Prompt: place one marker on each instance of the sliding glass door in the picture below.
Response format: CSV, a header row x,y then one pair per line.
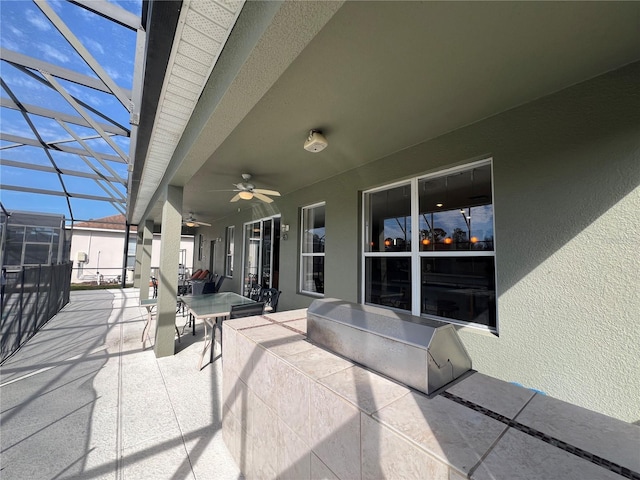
x,y
261,253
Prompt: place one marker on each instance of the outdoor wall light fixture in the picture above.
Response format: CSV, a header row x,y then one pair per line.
x,y
284,228
245,195
315,142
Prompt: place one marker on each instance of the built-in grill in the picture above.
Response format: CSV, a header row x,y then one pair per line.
x,y
421,353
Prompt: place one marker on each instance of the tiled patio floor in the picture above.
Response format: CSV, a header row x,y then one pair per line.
x,y
82,400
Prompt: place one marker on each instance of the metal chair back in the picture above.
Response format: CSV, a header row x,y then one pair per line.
x,y
246,310
270,297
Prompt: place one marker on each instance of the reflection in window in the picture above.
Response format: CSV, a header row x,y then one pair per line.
x,y
313,238
461,288
388,281
390,220
452,250
456,212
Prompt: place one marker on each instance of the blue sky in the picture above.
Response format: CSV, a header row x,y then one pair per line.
x,y
25,29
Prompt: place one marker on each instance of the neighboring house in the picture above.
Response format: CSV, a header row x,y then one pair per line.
x,y
97,251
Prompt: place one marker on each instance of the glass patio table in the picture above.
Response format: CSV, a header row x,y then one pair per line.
x,y
150,304
212,308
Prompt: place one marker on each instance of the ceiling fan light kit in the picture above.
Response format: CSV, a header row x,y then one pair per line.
x,y
315,142
247,191
191,222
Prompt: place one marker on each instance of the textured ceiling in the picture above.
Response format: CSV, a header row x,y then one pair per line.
x,y
378,77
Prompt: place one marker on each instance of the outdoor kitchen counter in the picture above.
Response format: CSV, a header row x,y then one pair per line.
x,y
294,410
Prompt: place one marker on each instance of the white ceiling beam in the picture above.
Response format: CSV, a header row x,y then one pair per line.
x,y
32,142
78,108
84,53
111,11
42,191
91,152
63,171
25,61
45,112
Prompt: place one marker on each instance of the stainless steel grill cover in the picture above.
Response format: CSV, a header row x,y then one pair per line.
x,y
421,353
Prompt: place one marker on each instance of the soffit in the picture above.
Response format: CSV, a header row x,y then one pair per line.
x,y
202,30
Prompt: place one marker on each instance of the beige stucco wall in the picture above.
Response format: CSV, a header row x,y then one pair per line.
x,y
110,245
566,199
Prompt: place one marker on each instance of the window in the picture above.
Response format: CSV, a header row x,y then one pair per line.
x,y
429,246
131,251
229,248
312,250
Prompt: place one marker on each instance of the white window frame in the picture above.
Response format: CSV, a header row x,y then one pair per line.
x,y
305,255
415,254
229,249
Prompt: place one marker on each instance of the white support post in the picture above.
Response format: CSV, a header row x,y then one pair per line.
x,y
168,275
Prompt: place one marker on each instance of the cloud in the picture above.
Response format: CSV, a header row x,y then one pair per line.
x,y
16,31
22,81
19,131
10,45
37,21
93,45
113,73
53,53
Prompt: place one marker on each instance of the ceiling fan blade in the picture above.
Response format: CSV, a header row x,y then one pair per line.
x,y
262,197
266,192
204,224
235,198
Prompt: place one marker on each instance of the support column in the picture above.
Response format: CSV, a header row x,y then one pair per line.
x,y
168,275
145,258
136,267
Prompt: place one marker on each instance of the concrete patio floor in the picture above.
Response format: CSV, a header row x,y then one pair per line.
x,y
81,399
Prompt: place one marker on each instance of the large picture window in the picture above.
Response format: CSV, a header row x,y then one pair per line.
x,y
312,249
429,246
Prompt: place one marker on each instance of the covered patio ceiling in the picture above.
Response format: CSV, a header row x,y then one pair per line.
x,y
375,77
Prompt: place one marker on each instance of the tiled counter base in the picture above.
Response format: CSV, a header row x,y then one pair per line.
x,y
295,411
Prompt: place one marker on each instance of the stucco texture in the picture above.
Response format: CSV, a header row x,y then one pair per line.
x,y
566,201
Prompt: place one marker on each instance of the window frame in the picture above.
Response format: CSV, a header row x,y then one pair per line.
x,y
306,255
229,249
415,255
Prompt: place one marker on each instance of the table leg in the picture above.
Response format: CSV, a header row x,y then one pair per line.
x,y
208,341
147,325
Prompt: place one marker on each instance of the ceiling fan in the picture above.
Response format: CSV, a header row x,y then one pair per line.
x,y
191,221
246,191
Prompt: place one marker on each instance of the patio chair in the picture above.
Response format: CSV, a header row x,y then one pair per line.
x,y
154,284
209,287
219,284
246,310
254,291
270,297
